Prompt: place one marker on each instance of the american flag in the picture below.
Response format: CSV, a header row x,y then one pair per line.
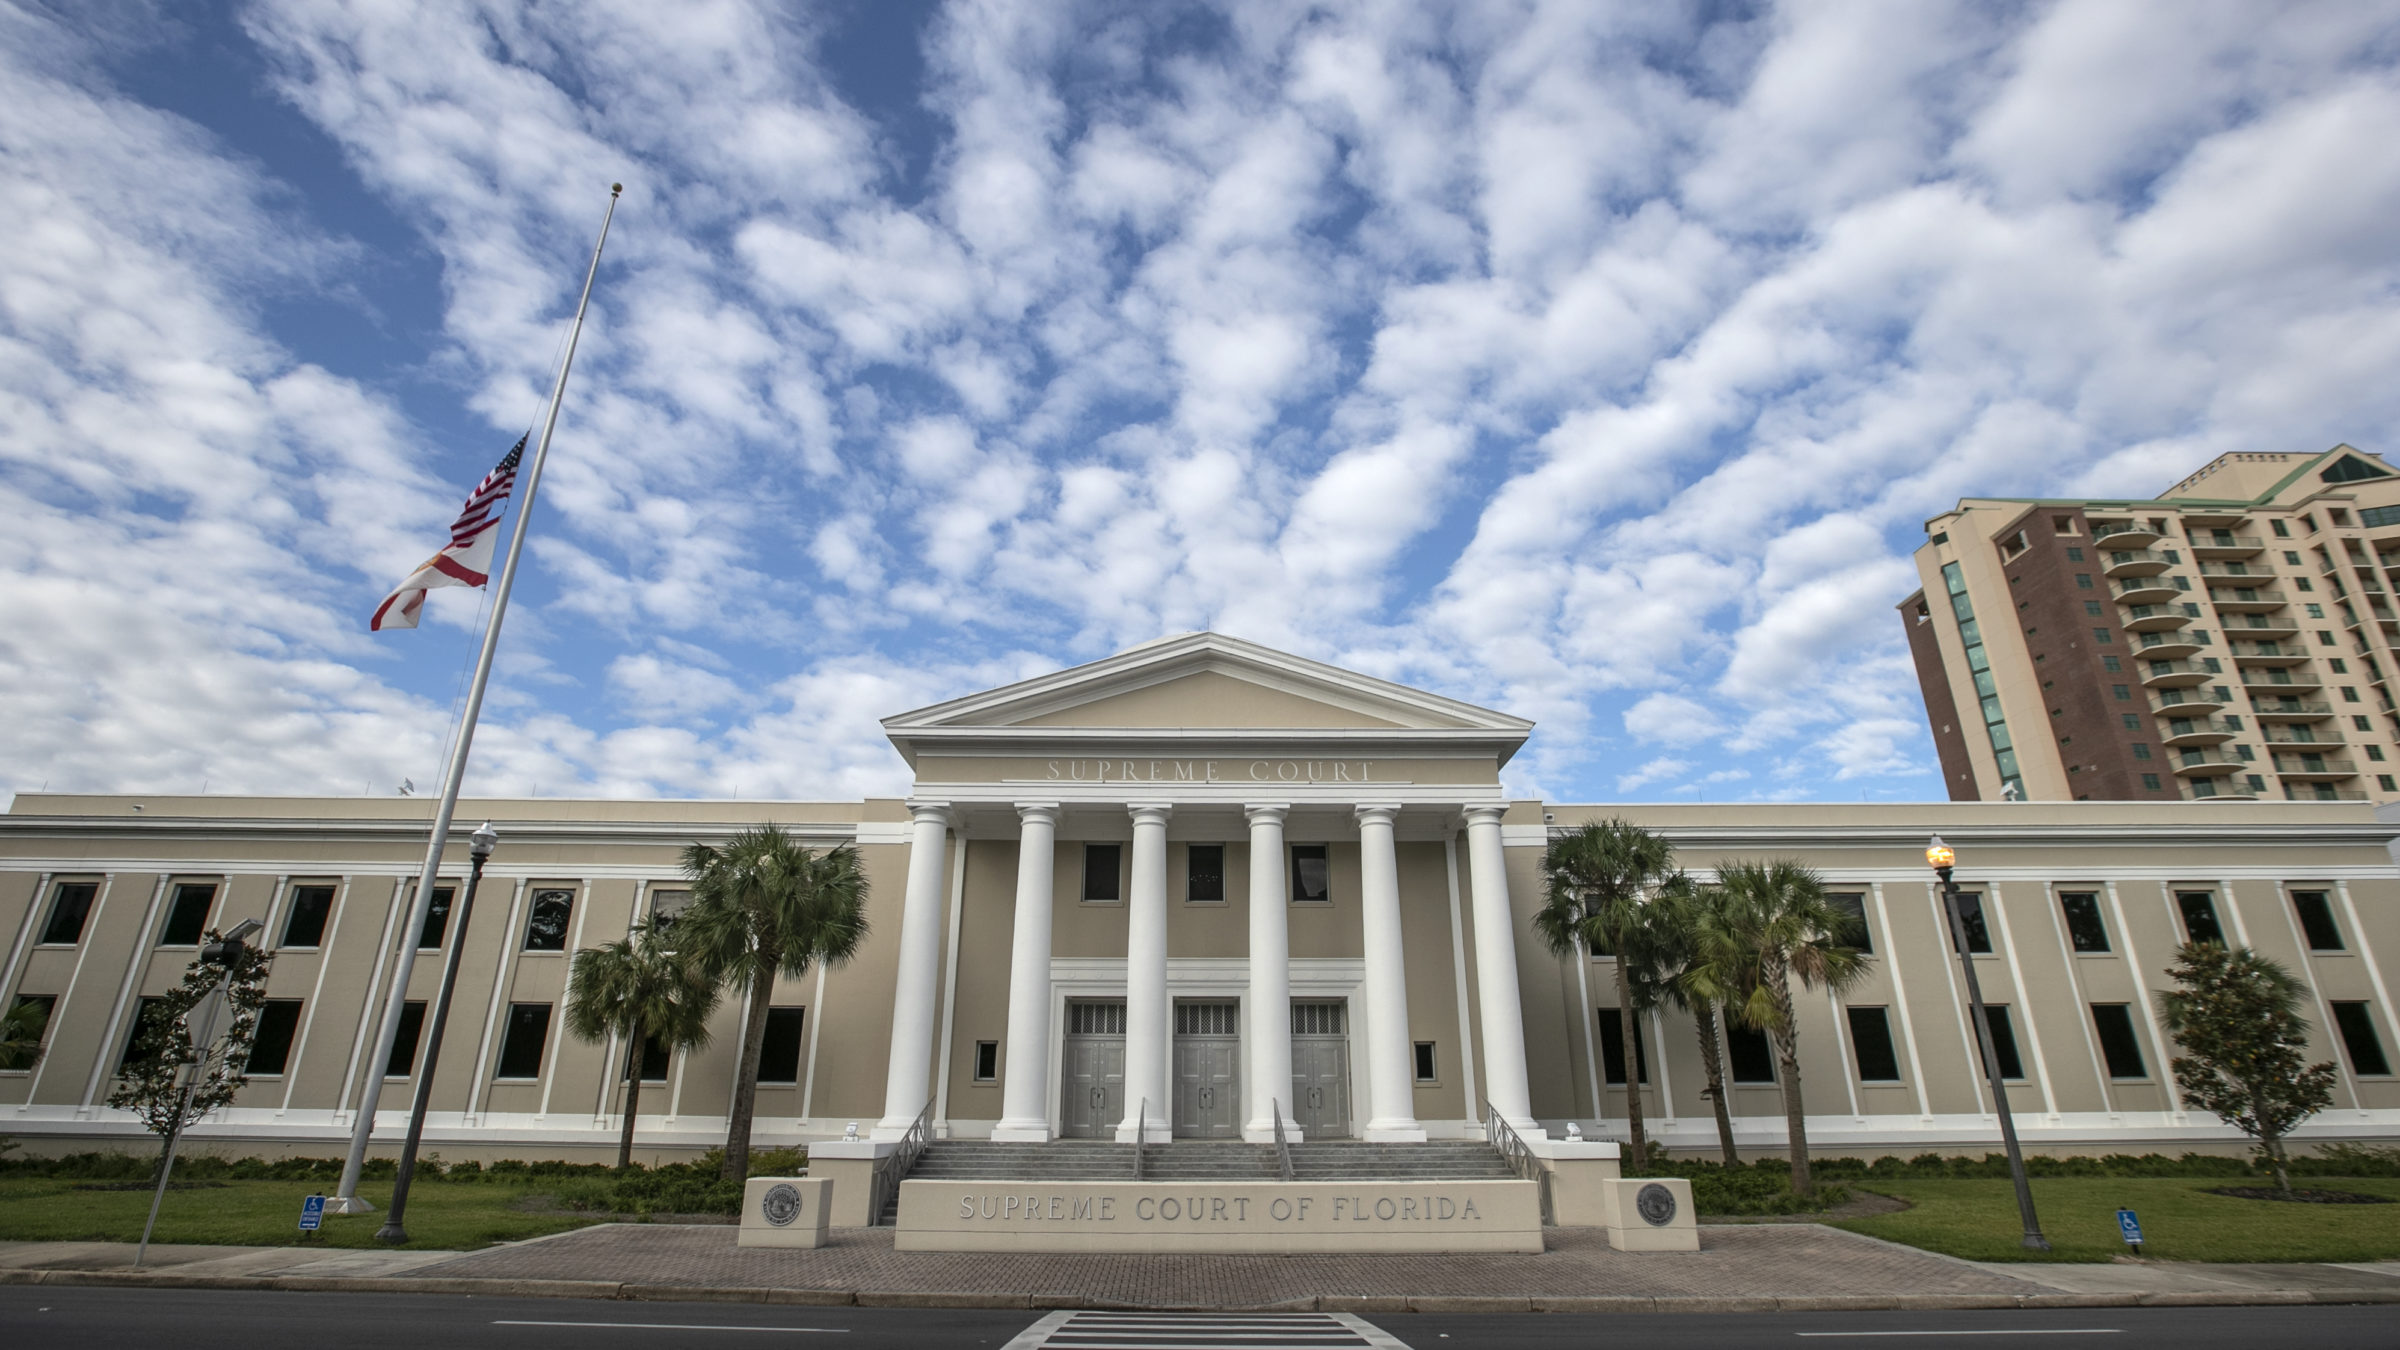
x,y
467,559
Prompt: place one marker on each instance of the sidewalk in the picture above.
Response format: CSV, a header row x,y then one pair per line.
x,y
1739,1268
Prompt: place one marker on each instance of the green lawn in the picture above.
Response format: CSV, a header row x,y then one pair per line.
x,y
267,1214
2182,1222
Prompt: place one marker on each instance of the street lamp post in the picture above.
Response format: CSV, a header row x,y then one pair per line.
x,y
1943,858
479,848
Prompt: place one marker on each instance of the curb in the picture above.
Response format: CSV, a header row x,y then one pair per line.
x,y
1349,1303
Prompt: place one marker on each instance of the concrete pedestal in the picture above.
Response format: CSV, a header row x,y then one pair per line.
x,y
849,1164
1652,1214
784,1212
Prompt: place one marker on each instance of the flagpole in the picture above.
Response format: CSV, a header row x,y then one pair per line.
x,y
346,1199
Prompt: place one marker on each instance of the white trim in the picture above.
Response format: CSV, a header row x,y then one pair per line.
x,y
583,911
816,1023
2316,991
1589,1023
941,1073
1945,936
1666,1084
1908,1034
136,966
2141,988
348,1103
316,990
479,1088
2024,1002
23,944
2083,1003
2233,907
1841,1045
1458,964
83,950
2358,933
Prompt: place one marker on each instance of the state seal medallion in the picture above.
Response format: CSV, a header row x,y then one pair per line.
x,y
781,1204
1656,1205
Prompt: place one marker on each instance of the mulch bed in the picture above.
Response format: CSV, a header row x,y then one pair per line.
x,y
2301,1195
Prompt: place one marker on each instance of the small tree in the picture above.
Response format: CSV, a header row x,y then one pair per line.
x,y
1681,913
1595,880
638,988
164,1061
2237,1017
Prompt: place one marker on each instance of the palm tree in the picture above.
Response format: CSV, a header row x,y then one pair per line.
x,y
1681,914
21,1034
1595,879
636,988
1775,926
762,906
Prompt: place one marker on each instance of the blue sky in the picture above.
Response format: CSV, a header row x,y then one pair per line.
x,y
1598,362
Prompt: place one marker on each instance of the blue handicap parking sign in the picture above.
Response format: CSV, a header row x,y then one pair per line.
x,y
312,1214
2130,1226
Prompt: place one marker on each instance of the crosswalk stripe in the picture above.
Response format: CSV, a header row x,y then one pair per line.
x,y
1072,1330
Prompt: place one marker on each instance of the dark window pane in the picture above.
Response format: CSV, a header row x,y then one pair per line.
x,y
2004,1041
528,1032
546,928
2118,1045
1871,1041
1205,872
70,905
437,918
1970,913
987,1061
187,914
1852,906
143,1039
2316,920
304,926
1100,864
2356,1022
404,1046
2084,926
1750,1055
665,905
271,1048
2199,917
657,1058
38,1027
1612,1048
779,1053
1425,1064
1312,874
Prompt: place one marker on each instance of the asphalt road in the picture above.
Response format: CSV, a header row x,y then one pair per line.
x,y
230,1320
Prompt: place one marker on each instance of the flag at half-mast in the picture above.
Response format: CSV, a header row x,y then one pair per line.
x,y
467,559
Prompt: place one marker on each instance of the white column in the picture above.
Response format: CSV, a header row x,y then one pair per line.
x,y
908,1082
1025,1092
1270,980
1391,1071
1496,972
1148,1099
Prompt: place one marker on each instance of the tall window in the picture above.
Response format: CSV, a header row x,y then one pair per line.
x,y
2356,1022
1749,1055
2118,1045
403,1062
148,1017
1204,873
1852,906
987,1061
1979,667
546,926
1871,1042
437,918
2004,1041
2316,920
2084,926
666,905
70,905
1100,881
521,1048
304,924
2199,910
271,1047
779,1049
1970,915
1612,1048
1428,1069
187,914
45,1005
1312,874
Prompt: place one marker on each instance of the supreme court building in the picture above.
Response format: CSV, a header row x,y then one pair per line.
x,y
1177,893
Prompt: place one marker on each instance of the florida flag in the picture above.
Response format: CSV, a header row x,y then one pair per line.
x,y
466,560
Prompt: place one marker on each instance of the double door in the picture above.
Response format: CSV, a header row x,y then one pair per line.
x,y
1092,1098
1321,1069
1208,1066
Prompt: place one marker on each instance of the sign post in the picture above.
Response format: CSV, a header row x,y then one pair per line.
x,y
2131,1226
312,1213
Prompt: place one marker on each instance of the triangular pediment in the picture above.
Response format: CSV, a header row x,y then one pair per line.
x,y
1205,682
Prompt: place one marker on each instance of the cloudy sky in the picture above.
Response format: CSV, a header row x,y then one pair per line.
x,y
1599,362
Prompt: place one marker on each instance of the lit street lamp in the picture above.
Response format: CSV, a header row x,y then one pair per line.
x,y
1943,858
479,847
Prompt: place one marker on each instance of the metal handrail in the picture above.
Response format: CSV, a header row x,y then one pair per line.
x,y
1517,1154
1141,1126
1283,1148
893,1167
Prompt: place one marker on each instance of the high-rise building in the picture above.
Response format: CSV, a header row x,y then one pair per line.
x,y
2235,637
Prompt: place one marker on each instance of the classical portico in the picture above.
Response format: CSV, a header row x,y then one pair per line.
x,y
1213,918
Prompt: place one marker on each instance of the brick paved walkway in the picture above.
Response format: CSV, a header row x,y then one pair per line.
x,y
1734,1262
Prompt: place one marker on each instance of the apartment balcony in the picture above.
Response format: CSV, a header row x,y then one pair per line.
x,y
2197,701
2219,518
2140,562
2172,674
2275,680
2217,790
2240,571
2221,544
2183,732
2246,599
2119,535
2304,738
2156,618
2165,646
2262,628
2293,710
2153,590
2321,792
2310,767
2205,763
2268,653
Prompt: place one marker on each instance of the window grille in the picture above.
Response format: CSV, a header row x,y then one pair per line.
x,y
1317,1019
1095,1017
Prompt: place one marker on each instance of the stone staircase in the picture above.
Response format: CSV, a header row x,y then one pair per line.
x,y
1203,1160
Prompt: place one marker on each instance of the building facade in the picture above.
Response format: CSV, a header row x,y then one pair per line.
x,y
1182,892
2231,639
